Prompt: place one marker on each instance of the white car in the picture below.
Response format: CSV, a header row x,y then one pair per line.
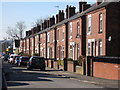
x,y
11,58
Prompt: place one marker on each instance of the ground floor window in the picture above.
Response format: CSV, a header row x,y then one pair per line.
x,y
100,48
62,52
78,51
88,49
71,51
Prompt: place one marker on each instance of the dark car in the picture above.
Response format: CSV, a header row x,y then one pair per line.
x,y
23,60
36,62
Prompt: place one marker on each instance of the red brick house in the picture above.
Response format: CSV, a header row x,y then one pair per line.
x,y
102,29
43,45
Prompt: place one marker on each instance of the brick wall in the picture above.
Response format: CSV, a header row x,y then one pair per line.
x,y
106,70
104,67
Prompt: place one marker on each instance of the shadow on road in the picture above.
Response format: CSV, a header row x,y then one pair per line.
x,y
16,84
17,75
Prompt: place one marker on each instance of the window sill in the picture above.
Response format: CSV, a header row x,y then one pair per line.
x,y
78,36
100,32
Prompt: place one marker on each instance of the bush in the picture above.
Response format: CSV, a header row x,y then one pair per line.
x,y
60,62
80,60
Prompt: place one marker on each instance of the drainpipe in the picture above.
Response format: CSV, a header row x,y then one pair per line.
x,y
55,43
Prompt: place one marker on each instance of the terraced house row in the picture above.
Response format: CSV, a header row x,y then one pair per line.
x,y
92,31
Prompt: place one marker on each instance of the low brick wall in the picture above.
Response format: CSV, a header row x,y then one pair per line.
x,y
46,63
61,67
104,67
71,66
79,70
106,70
55,64
49,63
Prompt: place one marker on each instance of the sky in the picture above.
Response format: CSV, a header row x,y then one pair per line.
x,y
12,11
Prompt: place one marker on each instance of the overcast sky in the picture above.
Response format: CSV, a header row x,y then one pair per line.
x,y
28,11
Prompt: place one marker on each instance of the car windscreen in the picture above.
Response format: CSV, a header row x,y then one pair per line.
x,y
38,59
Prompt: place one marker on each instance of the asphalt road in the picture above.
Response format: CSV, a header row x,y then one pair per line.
x,y
20,77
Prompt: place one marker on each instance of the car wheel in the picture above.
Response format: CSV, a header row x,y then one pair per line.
x,y
42,69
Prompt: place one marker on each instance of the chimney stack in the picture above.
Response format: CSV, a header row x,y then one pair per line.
x,y
60,15
99,1
30,32
70,11
85,7
45,24
38,28
80,6
27,33
56,18
48,25
52,21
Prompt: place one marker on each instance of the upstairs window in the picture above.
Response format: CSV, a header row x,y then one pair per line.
x,y
89,24
100,22
100,48
70,30
62,52
48,37
71,51
53,36
63,33
78,29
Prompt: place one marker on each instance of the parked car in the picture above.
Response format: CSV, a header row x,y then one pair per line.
x,y
13,60
16,60
5,57
23,60
10,60
36,62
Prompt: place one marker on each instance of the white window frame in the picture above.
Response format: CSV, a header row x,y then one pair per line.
x,y
70,30
53,36
78,28
100,22
62,52
48,37
89,24
63,34
100,48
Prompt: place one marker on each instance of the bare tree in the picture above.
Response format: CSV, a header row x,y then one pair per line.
x,y
20,28
39,21
17,32
12,33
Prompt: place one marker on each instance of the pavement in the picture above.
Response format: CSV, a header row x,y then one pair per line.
x,y
106,83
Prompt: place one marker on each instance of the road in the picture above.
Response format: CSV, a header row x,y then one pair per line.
x,y
20,77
